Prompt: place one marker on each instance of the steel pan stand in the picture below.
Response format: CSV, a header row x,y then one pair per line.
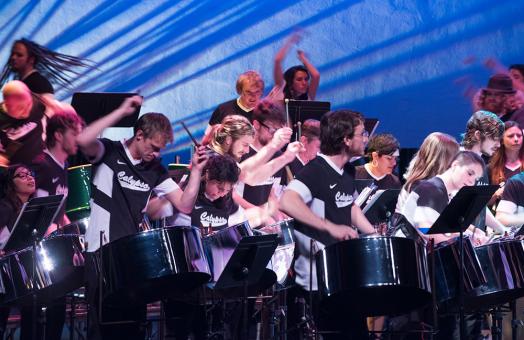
x,y
457,216
34,298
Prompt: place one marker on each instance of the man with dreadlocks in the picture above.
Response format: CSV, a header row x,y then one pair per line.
x,y
38,67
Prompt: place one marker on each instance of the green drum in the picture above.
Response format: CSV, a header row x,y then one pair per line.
x,y
79,193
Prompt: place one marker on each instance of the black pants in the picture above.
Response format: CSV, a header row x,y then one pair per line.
x,y
54,320
120,319
332,323
184,319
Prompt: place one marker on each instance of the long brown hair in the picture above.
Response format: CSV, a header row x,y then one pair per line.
x,y
233,126
8,190
499,158
433,158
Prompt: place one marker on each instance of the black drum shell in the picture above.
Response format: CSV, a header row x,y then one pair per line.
x,y
447,268
503,265
150,265
59,270
374,275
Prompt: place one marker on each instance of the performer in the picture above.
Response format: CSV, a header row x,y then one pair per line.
x,y
37,67
510,210
249,87
310,140
17,187
124,176
508,160
382,151
298,82
321,202
497,97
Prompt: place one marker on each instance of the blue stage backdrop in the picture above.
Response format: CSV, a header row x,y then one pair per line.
x,y
408,63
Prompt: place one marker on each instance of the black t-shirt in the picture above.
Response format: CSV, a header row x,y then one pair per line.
x,y
51,179
513,193
37,83
227,109
425,202
387,182
121,191
327,192
212,213
259,194
8,214
22,139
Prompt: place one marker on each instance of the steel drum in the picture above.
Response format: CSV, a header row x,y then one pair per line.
x,y
150,265
79,183
503,265
59,269
282,260
447,269
220,245
374,275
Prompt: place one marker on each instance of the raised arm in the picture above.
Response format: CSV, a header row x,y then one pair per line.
x,y
87,139
278,75
313,73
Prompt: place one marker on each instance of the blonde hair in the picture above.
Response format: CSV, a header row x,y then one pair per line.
x,y
249,77
433,158
234,126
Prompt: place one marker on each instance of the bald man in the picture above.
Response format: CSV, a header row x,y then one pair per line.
x,y
22,121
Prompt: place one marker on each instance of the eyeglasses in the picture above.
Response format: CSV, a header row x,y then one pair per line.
x,y
252,94
271,130
364,134
24,175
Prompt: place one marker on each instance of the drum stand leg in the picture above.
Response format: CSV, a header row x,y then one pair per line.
x,y
34,302
496,327
462,325
433,290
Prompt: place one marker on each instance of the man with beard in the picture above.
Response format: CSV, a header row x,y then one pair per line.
x,y
497,96
321,202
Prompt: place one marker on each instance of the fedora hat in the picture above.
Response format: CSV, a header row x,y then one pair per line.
x,y
500,83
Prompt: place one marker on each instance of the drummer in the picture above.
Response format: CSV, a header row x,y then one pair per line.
x,y
17,187
324,209
125,174
510,210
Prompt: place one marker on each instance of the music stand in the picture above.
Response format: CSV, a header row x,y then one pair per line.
x,y
457,216
381,206
94,105
31,224
246,266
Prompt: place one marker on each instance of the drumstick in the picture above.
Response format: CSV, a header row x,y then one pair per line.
x,y
299,131
197,144
288,121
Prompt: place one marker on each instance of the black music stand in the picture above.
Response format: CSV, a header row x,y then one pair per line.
x,y
381,206
94,105
246,266
456,217
302,110
31,224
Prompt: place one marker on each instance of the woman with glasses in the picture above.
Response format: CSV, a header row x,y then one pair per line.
x,y
382,152
17,187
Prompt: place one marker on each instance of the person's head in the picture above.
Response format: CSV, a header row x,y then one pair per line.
x,y
483,132
57,67
466,168
432,158
18,181
152,132
17,99
62,129
297,82
516,72
310,139
233,136
493,98
220,175
250,87
511,142
383,151
268,117
22,57
342,132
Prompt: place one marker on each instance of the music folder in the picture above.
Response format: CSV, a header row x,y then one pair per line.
x,y
37,214
381,206
248,262
94,105
463,209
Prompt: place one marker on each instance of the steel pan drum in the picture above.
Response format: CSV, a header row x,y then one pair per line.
x,y
283,258
447,269
59,270
503,265
220,245
149,265
79,183
374,275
